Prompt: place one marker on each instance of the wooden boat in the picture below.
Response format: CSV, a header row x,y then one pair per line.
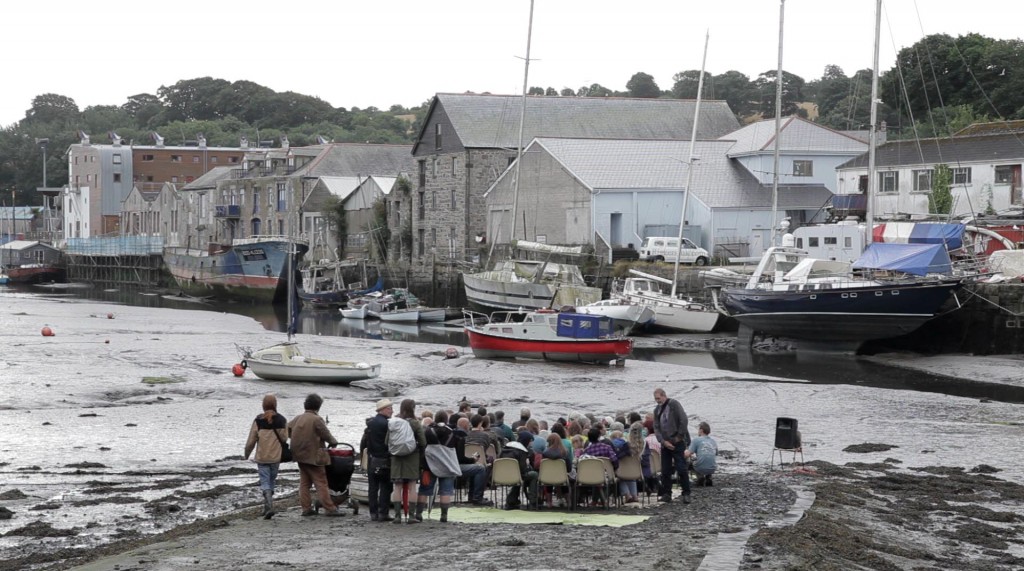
x,y
547,335
285,362
408,315
432,314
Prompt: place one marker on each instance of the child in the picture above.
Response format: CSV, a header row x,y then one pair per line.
x,y
702,451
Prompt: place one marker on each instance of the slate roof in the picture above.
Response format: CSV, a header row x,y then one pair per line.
x,y
951,151
209,179
796,135
355,159
718,181
24,245
492,121
20,213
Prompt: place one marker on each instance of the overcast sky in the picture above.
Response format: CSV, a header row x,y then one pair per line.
x,y
381,52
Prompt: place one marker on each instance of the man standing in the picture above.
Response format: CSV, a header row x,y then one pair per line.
x,y
308,433
670,427
378,471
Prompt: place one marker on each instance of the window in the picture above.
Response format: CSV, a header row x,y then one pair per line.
x,y
88,178
174,179
189,178
421,246
147,158
453,199
433,168
862,182
233,160
280,227
175,158
803,168
1004,174
511,160
213,160
255,226
888,181
923,180
433,238
281,206
438,132
847,242
422,206
255,202
812,241
117,158
831,241
117,177
149,178
962,175
433,200
195,159
455,165
423,174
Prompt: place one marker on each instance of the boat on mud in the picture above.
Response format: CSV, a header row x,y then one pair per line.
x,y
547,335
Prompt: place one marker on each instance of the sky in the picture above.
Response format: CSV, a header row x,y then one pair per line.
x,y
377,53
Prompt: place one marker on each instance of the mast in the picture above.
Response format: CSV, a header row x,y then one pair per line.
x,y
778,128
869,215
689,165
292,324
522,120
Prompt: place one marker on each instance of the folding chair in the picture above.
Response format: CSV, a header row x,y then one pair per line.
x,y
630,471
504,473
553,473
476,449
591,472
609,474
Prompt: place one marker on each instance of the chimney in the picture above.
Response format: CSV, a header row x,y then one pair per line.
x,y
243,142
157,139
284,141
115,139
83,137
202,140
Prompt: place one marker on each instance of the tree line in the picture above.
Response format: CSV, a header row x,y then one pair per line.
x,y
937,86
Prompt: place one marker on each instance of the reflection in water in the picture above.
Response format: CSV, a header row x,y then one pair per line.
x,y
813,367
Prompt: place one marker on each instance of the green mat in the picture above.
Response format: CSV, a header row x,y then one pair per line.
x,y
492,515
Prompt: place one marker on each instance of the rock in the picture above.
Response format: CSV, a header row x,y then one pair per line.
x,y
6,513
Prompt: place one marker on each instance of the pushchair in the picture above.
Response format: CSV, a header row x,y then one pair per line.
x,y
339,475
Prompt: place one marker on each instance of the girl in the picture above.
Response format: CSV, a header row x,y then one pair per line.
x,y
267,433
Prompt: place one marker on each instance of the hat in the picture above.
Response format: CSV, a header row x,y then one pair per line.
x,y
524,437
517,446
383,403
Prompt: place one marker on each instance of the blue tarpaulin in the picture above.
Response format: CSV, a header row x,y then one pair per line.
x,y
918,259
951,235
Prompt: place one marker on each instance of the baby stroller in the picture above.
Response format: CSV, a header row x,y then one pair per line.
x,y
339,475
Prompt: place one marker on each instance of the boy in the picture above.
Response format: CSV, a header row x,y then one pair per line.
x,y
702,451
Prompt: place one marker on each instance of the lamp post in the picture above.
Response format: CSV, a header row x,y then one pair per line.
x,y
42,143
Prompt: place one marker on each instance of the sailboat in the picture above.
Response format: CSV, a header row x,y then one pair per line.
x,y
672,311
286,362
891,290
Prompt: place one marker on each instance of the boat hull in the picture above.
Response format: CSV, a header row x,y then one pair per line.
x,y
491,292
491,346
625,317
284,363
839,315
35,273
253,270
400,316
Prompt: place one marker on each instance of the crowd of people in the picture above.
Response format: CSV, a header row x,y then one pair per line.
x,y
413,457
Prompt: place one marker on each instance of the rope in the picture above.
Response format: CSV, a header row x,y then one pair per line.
x,y
985,299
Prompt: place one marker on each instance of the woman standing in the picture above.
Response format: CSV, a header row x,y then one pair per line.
x,y
267,433
405,470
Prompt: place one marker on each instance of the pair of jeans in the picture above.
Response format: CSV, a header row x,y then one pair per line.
x,y
268,475
477,477
674,459
379,479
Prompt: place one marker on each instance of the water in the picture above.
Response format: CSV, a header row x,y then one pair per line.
x,y
803,367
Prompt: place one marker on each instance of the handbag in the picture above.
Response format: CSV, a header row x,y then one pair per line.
x,y
442,461
286,451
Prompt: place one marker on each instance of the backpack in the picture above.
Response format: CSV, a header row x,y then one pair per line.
x,y
401,440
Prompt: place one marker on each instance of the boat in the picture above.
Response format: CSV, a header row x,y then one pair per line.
x,y
324,287
360,311
531,284
891,290
4,279
625,315
250,268
407,315
673,312
31,262
286,362
547,335
433,314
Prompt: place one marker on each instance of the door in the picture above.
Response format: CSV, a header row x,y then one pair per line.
x,y
615,229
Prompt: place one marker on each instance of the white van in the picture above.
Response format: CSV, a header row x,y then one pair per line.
x,y
664,249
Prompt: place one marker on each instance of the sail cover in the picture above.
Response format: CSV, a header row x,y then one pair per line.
x,y
920,233
917,259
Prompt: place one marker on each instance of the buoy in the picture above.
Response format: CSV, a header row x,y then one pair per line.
x,y
47,332
110,316
451,353
238,370
107,341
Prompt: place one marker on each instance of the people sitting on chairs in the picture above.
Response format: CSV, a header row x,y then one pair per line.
x,y
600,449
471,470
518,450
556,450
702,452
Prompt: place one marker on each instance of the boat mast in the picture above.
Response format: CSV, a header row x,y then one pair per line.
x,y
869,215
291,284
522,120
778,128
690,161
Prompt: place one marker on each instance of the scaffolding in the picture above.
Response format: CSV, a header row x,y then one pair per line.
x,y
122,260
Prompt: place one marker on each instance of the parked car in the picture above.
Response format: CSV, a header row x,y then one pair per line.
x,y
665,248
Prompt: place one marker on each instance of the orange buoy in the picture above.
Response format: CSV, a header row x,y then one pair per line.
x,y
47,332
238,370
451,353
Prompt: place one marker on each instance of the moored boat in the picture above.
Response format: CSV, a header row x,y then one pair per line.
x,y
285,362
625,315
670,312
249,268
546,335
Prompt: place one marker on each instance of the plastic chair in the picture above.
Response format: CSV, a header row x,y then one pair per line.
x,y
630,471
553,473
656,463
613,482
591,472
504,473
477,451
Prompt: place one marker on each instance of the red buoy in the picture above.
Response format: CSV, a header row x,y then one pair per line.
x,y
110,316
451,353
47,332
237,369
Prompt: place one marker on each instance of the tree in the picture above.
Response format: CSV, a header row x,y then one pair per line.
x,y
52,108
551,92
765,89
567,92
686,82
193,98
595,90
334,212
535,91
940,201
643,85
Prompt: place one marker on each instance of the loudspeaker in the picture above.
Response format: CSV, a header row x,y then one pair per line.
x,y
785,433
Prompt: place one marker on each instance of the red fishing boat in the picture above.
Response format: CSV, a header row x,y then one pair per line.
x,y
546,334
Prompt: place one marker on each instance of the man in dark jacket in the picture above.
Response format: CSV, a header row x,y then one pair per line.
x,y
670,427
519,452
379,462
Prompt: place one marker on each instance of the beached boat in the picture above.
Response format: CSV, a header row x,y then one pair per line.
x,y
248,268
530,284
433,314
324,287
547,335
670,311
285,362
625,315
